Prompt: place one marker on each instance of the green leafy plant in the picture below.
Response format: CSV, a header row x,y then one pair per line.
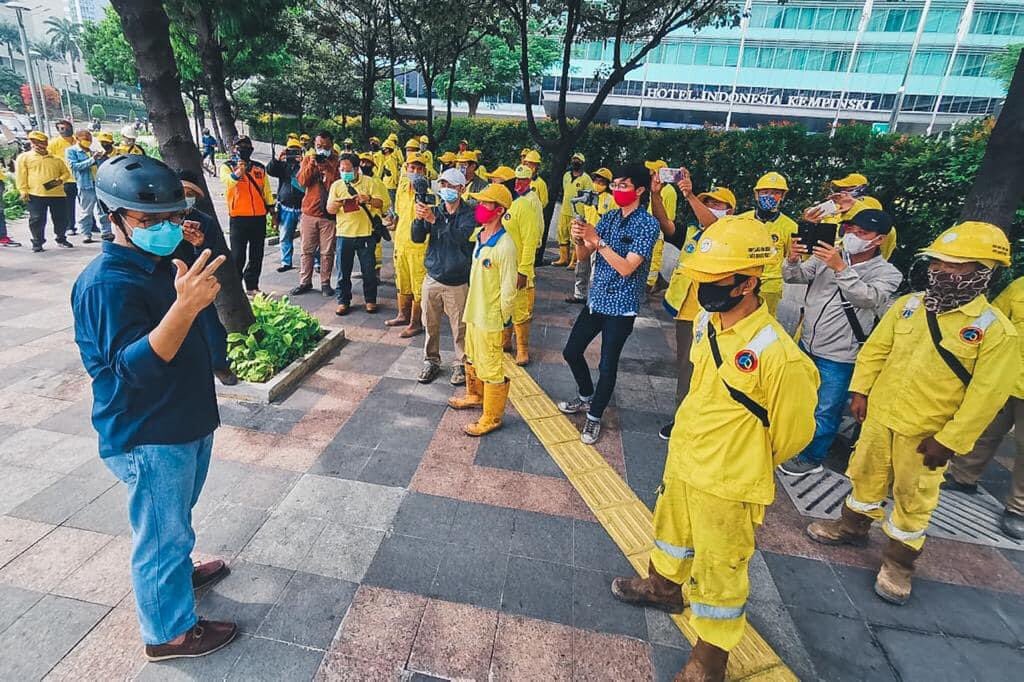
x,y
282,333
13,208
271,227
97,111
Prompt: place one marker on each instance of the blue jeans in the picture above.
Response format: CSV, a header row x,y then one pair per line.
x,y
164,482
287,221
832,398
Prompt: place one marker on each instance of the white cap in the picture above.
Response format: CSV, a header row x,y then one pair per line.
x,y
129,131
453,176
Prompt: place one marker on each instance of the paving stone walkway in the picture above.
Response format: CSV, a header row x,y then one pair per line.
x,y
370,539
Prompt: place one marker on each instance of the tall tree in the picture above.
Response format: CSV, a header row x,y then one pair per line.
x,y
1006,63
632,30
147,30
998,189
48,53
11,38
65,36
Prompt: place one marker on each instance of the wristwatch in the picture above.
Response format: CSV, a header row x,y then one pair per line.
x,y
601,244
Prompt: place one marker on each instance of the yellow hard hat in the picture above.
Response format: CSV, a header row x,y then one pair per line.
x,y
532,156
447,157
416,158
106,137
367,156
293,136
603,173
388,144
466,157
524,172
723,194
578,155
971,241
424,139
656,165
337,149
293,143
772,180
851,180
495,192
413,143
524,152
375,139
731,245
38,136
304,137
501,174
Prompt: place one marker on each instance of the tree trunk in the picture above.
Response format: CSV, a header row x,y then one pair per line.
x,y
998,188
216,128
10,55
559,164
473,102
213,64
146,28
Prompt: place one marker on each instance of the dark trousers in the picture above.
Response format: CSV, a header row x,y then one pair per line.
x,y
216,336
71,194
347,249
614,330
248,236
37,208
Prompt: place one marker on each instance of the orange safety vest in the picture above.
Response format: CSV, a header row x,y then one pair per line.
x,y
245,197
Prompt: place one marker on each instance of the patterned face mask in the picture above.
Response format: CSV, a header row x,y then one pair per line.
x,y
947,291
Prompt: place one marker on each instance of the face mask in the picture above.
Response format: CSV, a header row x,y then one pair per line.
x,y
244,153
767,202
348,176
413,175
448,195
323,154
852,244
462,168
85,144
367,170
521,187
717,298
719,212
485,215
107,147
374,146
190,202
947,291
624,197
160,239
65,132
576,165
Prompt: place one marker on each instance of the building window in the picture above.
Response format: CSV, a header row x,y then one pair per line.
x,y
929,63
998,23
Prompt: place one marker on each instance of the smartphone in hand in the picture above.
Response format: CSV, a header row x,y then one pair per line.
x,y
671,176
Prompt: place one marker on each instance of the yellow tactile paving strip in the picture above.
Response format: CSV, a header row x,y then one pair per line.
x,y
626,519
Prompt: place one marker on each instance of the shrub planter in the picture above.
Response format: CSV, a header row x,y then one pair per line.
x,y
288,379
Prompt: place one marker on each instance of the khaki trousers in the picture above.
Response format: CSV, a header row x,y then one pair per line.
x,y
438,301
316,233
968,469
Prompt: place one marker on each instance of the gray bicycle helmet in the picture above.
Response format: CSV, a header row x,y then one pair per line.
x,y
139,183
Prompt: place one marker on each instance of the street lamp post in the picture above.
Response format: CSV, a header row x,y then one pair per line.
x,y
42,100
902,91
18,10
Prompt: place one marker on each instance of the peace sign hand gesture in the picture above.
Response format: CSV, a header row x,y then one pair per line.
x,y
197,286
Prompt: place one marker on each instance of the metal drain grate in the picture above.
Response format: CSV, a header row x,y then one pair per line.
x,y
959,516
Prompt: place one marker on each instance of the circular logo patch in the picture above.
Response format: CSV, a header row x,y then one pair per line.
x,y
690,248
746,360
775,237
705,245
486,263
972,335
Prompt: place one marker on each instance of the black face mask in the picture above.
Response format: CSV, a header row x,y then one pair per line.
x,y
245,153
374,146
576,166
718,298
366,170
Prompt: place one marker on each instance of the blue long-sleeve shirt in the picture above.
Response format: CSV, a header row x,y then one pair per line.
x,y
138,399
82,164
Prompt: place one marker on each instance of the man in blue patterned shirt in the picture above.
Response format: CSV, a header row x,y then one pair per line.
x,y
623,240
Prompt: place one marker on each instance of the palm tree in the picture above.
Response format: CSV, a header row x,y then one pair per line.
x,y
11,37
48,53
65,36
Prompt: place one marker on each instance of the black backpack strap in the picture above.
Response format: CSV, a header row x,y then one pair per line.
x,y
851,316
739,396
951,360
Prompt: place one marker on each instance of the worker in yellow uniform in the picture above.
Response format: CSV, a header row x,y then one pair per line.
x,y
428,156
128,144
964,472
409,256
681,296
307,142
532,160
447,161
374,149
601,179
58,147
738,421
668,202
39,177
574,180
393,139
489,309
854,186
523,222
390,168
469,166
368,169
932,375
769,193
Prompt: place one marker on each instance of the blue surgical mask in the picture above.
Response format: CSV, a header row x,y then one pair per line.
x,y
190,202
767,202
448,195
412,176
348,176
160,239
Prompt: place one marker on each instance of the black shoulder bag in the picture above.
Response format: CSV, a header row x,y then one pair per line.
x,y
379,231
951,360
739,396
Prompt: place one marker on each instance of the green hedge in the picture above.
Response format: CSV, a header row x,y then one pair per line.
x,y
921,180
113,106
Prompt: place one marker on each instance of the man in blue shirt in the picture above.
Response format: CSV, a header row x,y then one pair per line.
x,y
209,143
623,240
154,406
83,162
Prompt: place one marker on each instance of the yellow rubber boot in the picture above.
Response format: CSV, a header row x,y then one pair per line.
x,y
404,306
506,339
563,255
572,259
523,344
495,398
474,392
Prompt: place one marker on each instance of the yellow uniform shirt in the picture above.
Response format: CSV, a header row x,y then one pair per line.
x,y
541,188
129,149
669,200
523,222
1011,302
910,388
389,170
681,297
40,175
718,445
58,145
781,230
405,207
351,219
492,282
571,187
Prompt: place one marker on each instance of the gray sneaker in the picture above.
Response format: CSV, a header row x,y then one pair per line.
x,y
458,375
574,406
591,431
429,373
800,467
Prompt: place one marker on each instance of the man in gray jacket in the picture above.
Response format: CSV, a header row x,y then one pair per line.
x,y
849,289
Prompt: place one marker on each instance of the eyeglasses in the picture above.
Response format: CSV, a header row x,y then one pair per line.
x,y
149,221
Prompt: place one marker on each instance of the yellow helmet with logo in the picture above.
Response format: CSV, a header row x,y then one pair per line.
x,y
501,174
603,173
971,241
524,172
731,245
413,143
656,165
723,194
532,156
851,180
447,157
772,180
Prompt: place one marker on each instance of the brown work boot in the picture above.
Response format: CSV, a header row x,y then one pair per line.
x,y
655,591
706,664
851,528
208,573
506,340
205,637
342,309
894,578
415,327
402,318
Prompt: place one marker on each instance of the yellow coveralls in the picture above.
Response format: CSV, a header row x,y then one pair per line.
x,y
912,394
489,303
782,230
669,201
570,188
719,475
541,187
409,256
681,297
524,224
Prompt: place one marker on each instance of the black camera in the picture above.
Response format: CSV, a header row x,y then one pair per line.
x,y
585,197
421,186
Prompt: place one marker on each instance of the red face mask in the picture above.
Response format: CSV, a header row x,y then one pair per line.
x,y
624,197
485,215
522,186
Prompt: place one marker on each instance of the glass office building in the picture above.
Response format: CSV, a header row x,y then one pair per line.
x,y
814,61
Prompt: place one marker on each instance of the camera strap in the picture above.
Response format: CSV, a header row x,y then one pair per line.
x,y
951,360
739,396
